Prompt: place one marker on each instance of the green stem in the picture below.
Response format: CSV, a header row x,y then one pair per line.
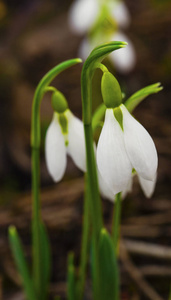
x,y
92,181
116,222
36,219
35,143
85,243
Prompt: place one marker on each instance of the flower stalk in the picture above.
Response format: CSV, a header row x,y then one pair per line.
x,y
116,222
92,62
42,87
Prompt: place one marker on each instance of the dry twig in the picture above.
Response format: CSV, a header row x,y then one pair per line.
x,y
136,274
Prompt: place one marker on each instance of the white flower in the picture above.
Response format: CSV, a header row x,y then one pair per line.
x,y
120,13
119,151
140,147
82,15
59,144
112,159
147,186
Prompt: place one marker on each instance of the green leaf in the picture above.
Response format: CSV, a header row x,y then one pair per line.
x,y
139,96
71,284
46,260
99,53
21,263
109,276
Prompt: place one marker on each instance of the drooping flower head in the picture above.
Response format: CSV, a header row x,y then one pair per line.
x,y
124,144
65,135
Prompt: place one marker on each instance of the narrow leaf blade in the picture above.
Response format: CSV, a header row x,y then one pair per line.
x,y
46,260
21,263
109,276
71,284
139,96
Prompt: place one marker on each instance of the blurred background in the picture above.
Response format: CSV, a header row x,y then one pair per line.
x,y
34,37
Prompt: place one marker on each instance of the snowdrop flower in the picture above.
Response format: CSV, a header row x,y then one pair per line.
x,y
124,147
147,186
120,13
84,14
65,135
124,144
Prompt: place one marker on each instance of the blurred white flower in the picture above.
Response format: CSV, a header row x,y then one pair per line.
x,y
58,144
83,15
121,150
120,14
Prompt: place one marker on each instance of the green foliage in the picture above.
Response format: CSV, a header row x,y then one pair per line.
x,y
71,282
46,261
21,263
132,102
109,283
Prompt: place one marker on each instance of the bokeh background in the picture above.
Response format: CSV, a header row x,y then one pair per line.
x,y
34,37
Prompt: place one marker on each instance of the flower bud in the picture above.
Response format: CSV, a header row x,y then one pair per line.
x,y
59,103
111,92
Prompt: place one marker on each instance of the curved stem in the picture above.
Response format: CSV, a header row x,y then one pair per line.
x,y
35,143
116,221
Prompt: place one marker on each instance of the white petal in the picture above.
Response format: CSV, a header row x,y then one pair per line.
x,y
105,190
112,159
121,14
55,150
147,186
139,146
82,15
76,145
124,59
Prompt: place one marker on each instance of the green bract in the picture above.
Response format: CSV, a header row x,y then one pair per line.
x,y
59,102
118,115
64,124
111,92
